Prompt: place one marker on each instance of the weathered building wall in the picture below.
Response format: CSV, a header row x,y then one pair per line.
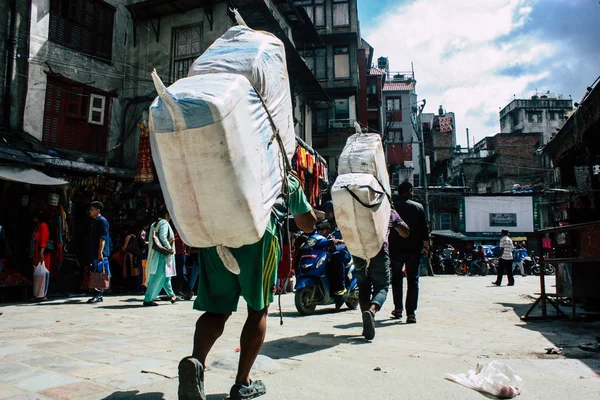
x,y
4,26
511,160
46,56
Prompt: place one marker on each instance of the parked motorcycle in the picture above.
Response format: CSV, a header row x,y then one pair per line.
x,y
462,263
536,269
312,283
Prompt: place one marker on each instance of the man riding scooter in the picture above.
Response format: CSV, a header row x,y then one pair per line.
x,y
340,257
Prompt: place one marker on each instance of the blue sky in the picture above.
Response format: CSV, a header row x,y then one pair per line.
x,y
474,56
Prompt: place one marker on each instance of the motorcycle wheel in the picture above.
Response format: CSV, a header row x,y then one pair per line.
x,y
352,300
304,301
460,269
536,270
549,270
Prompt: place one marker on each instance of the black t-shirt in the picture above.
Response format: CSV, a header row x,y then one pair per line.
x,y
413,214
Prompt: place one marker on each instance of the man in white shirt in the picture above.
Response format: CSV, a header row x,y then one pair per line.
x,y
506,260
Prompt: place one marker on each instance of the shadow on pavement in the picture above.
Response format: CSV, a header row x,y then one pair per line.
x,y
122,306
57,302
379,323
135,394
319,311
564,334
294,346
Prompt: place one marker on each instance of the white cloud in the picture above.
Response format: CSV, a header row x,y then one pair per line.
x,y
457,48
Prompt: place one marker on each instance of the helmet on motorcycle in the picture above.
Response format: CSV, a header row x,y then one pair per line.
x,y
328,206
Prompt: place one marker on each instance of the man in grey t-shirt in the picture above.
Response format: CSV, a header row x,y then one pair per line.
x,y
505,260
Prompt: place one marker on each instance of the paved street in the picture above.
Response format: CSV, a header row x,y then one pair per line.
x,y
64,349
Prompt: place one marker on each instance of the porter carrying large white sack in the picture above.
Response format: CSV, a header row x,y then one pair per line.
x,y
364,154
213,143
362,212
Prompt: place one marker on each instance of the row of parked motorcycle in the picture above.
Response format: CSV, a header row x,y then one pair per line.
x,y
462,263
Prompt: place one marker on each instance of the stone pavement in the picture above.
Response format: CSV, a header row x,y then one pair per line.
x,y
65,349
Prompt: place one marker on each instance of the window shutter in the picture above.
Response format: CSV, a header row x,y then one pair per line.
x,y
51,131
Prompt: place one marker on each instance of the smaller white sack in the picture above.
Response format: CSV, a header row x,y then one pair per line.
x,y
495,378
364,154
362,212
41,277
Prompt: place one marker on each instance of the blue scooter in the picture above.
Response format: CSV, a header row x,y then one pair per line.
x,y
312,282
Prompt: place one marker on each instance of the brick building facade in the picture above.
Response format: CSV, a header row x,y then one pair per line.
x,y
503,161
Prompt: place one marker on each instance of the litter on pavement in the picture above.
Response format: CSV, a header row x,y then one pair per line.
x,y
495,378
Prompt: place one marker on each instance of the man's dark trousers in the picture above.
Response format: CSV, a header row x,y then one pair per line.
x,y
502,266
412,262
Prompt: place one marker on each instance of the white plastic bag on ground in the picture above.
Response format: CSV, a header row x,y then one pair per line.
x,y
210,143
364,154
495,378
362,212
41,280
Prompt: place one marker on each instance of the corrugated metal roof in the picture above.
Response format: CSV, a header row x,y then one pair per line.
x,y
398,86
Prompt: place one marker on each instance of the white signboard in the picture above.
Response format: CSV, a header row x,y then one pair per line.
x,y
493,214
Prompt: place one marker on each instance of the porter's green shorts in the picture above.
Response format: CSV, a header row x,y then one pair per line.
x,y
219,290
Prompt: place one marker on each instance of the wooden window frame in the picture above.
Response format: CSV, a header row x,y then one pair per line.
x,y
334,2
314,4
92,109
449,222
388,99
349,64
174,58
78,92
82,29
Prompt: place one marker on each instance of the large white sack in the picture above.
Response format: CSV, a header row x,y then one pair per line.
x,y
260,57
210,144
364,154
363,228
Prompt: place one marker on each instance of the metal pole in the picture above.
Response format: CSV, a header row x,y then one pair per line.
x,y
423,160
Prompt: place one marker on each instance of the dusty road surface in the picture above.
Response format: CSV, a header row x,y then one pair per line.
x,y
66,349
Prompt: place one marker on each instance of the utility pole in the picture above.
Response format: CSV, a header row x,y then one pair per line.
x,y
423,160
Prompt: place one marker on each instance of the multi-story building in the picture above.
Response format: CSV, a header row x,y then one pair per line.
x,y
543,114
375,81
399,116
89,66
504,162
336,64
439,134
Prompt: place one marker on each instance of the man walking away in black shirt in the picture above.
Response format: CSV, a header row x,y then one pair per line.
x,y
406,252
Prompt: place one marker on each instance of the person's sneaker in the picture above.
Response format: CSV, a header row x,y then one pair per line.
x,y
368,325
95,299
341,292
241,392
411,320
191,379
396,314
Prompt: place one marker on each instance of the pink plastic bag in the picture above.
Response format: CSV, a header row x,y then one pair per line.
x,y
41,279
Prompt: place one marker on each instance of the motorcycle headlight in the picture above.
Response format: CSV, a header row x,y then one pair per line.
x,y
311,242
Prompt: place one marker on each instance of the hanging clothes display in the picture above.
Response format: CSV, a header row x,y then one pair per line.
x,y
144,162
311,172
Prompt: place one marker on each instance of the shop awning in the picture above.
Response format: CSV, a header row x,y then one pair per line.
x,y
448,234
29,175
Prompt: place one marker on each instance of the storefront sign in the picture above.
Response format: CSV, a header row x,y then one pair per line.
x,y
503,219
537,217
462,225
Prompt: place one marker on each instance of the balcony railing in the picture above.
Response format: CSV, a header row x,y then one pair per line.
x,y
341,123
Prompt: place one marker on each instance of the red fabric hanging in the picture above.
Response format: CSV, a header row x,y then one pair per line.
x,y
144,163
